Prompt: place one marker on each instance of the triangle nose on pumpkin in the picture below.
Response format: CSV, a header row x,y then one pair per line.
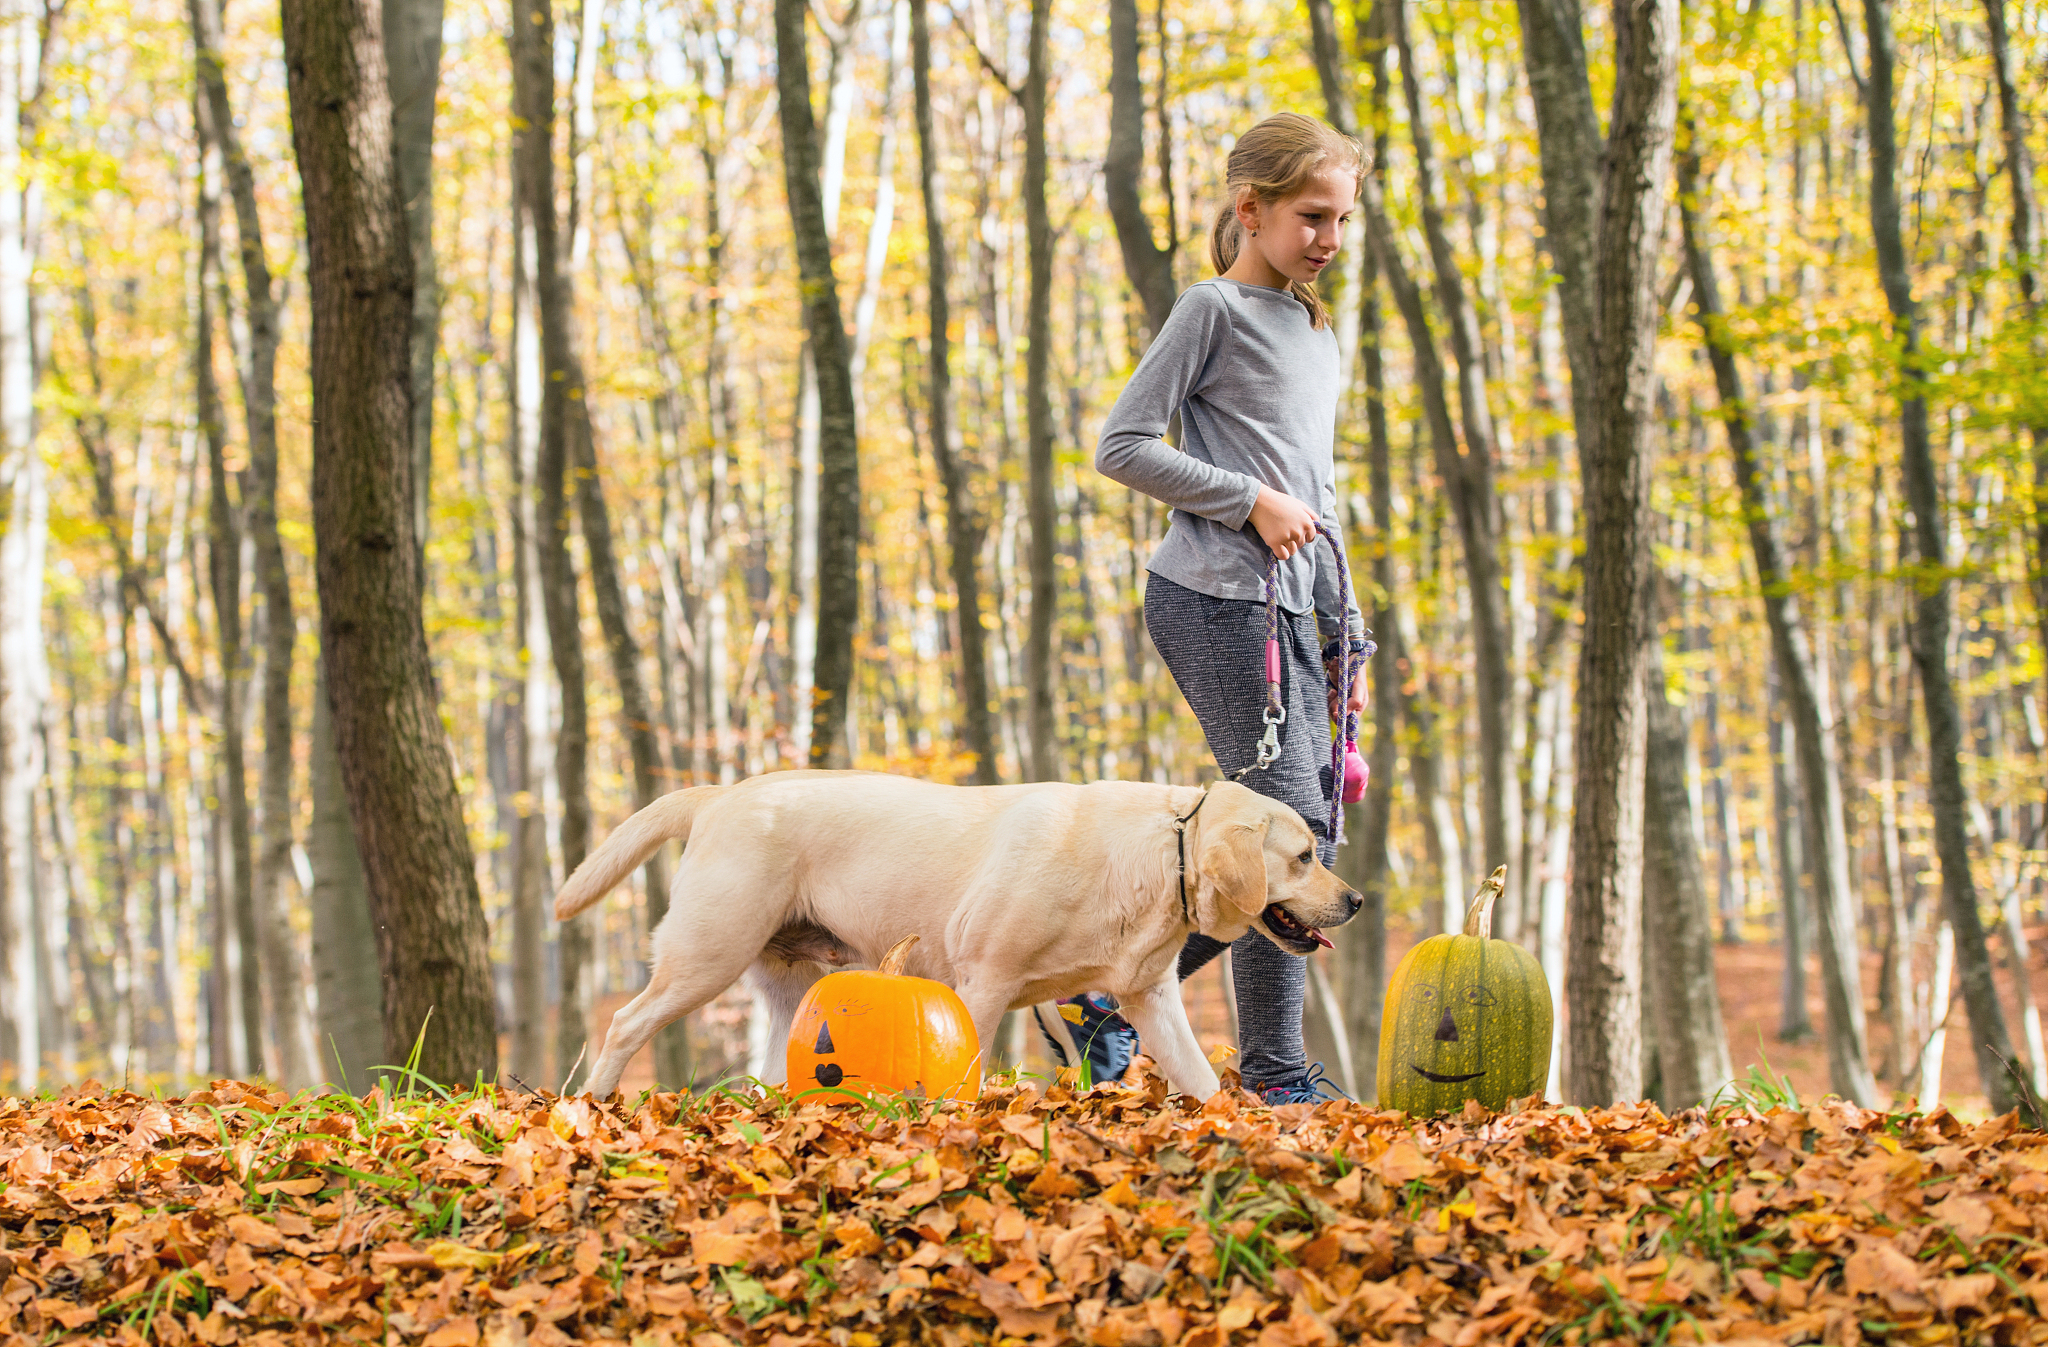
x,y
823,1047
1447,1029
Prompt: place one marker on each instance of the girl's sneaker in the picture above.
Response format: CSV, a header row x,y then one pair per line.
x,y
1309,1087
1107,1039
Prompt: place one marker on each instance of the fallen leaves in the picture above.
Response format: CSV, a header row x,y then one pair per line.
x,y
1116,1219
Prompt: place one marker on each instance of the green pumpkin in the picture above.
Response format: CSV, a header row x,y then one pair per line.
x,y
1467,1017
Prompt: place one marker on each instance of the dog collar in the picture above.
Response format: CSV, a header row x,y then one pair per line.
x,y
1180,846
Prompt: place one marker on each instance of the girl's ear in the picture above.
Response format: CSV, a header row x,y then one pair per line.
x,y
1248,210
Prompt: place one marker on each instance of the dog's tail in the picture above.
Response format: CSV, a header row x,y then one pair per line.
x,y
631,843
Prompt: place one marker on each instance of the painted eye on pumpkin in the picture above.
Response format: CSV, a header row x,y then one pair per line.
x,y
1480,996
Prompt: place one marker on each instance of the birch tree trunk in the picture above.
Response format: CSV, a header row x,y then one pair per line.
x,y
1826,834
1930,633
283,976
532,746
431,936
839,449
23,674
964,525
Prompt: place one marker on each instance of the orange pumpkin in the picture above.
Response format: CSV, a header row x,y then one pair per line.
x,y
882,1032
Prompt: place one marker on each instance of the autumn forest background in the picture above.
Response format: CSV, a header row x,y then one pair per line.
x,y
738,378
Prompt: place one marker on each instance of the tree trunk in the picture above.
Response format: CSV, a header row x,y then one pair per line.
x,y
1475,501
1148,266
238,955
1826,834
1605,208
1787,836
1678,927
532,744
839,447
876,262
350,1029
1947,793
24,679
1362,952
636,711
2026,246
1038,660
563,419
283,978
412,61
964,526
23,672
431,935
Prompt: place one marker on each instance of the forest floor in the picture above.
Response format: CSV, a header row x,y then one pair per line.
x,y
1032,1216
1751,978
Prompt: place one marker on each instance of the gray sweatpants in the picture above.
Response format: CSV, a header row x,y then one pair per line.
x,y
1215,649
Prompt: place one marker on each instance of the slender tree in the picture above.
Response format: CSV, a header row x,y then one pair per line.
x,y
964,527
1044,513
1932,584
839,447
235,907
2026,247
564,424
431,937
412,61
1605,201
1147,263
1468,477
1806,694
283,983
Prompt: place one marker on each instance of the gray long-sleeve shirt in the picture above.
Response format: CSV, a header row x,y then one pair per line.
x,y
1256,388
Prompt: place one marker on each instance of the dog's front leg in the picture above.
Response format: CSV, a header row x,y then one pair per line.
x,y
1163,1031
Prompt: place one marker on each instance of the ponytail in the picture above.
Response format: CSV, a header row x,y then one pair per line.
x,y
1274,161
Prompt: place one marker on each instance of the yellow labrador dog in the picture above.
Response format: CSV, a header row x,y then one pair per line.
x,y
1022,894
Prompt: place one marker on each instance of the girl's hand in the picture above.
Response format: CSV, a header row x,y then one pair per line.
x,y
1284,522
1333,674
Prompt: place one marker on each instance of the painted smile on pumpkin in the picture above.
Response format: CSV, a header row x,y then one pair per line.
x,y
1281,922
1445,1080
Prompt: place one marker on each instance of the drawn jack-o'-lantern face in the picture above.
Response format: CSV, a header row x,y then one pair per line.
x,y
884,1032
1467,1017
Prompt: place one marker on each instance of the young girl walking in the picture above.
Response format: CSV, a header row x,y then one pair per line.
x,y
1249,362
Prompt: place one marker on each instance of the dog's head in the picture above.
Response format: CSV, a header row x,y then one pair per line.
x,y
1254,864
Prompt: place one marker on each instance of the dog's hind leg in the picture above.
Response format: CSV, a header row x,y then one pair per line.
x,y
722,910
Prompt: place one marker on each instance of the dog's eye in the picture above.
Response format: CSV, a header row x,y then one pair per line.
x,y
1306,856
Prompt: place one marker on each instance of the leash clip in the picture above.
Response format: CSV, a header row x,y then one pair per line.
x,y
1269,747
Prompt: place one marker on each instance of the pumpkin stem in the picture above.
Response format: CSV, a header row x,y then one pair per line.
x,y
898,955
1479,917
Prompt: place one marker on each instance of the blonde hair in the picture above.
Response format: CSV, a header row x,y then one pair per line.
x,y
1274,161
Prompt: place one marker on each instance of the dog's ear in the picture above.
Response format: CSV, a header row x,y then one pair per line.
x,y
1233,862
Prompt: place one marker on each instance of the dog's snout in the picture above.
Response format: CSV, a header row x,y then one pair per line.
x,y
1353,900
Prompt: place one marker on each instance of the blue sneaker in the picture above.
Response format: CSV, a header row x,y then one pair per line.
x,y
1310,1087
1107,1039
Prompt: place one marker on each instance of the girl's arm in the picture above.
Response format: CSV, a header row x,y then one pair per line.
x,y
1133,449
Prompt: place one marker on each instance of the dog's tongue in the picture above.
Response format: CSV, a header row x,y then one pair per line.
x,y
1320,938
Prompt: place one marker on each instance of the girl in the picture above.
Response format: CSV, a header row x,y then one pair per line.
x,y
1249,362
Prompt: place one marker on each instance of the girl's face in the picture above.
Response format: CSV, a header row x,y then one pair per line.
x,y
1297,238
